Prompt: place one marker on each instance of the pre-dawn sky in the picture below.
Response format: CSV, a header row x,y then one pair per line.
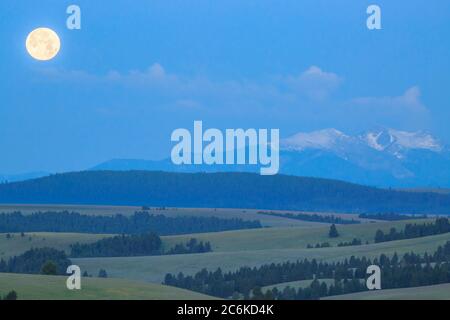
x,y
138,69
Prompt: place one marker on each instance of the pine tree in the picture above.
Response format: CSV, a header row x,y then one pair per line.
x,y
102,273
333,231
379,236
12,295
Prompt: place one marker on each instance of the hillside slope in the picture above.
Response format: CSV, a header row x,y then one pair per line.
x,y
224,190
154,268
39,287
436,292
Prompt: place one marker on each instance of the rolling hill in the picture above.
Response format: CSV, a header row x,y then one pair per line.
x,y
154,268
287,238
219,190
39,287
229,241
17,244
436,292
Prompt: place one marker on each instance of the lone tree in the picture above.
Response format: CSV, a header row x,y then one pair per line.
x,y
49,268
333,231
12,295
102,273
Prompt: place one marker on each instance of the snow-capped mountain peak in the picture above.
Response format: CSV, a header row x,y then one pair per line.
x,y
378,140
396,141
321,139
378,157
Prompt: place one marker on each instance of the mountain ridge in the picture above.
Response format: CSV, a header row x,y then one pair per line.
x,y
219,190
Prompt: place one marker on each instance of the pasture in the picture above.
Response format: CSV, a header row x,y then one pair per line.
x,y
154,268
39,287
436,292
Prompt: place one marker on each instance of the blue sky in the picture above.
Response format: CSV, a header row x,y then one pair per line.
x,y
138,69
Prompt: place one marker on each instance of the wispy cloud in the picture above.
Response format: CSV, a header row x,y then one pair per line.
x,y
407,102
314,83
405,111
306,96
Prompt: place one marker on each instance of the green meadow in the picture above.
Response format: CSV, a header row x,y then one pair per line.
x,y
39,287
288,238
17,244
279,241
154,268
245,214
437,292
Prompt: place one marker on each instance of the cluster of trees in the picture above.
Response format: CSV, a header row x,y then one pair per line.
x,y
220,190
12,295
246,279
119,246
37,261
319,245
315,291
102,273
354,242
409,271
134,245
192,246
440,226
138,223
390,216
312,217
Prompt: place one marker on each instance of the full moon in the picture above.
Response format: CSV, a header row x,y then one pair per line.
x,y
43,44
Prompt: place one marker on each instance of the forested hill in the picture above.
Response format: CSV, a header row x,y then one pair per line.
x,y
226,190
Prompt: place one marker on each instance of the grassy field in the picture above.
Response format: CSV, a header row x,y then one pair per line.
x,y
38,287
153,269
255,239
61,241
246,214
437,292
287,238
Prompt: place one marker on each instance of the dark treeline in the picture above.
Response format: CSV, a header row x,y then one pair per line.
x,y
440,226
34,261
134,245
312,217
219,190
192,246
391,216
319,245
138,223
354,242
119,246
315,291
409,271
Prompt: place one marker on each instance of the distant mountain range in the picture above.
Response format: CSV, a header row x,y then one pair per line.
x,y
219,190
384,158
